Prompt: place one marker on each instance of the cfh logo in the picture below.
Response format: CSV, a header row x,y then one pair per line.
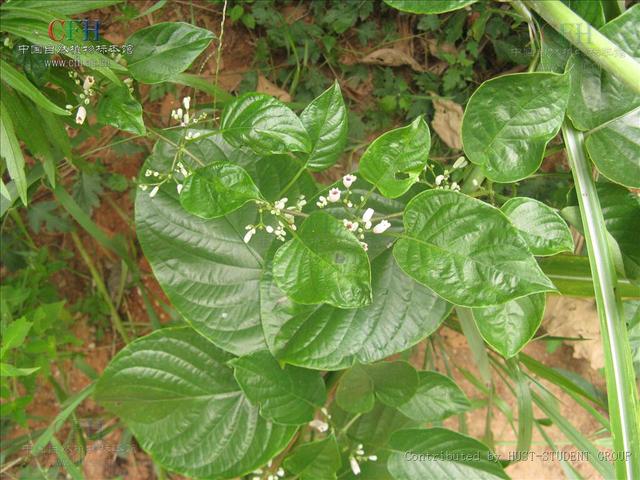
x,y
60,29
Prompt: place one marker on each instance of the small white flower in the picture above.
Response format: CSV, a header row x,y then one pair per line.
x,y
179,188
68,107
148,173
381,227
365,246
319,425
439,179
269,229
373,458
349,225
143,187
186,101
185,118
128,81
322,202
248,235
153,191
355,466
183,170
366,217
81,115
348,180
461,162
280,204
455,187
86,101
88,82
334,195
280,472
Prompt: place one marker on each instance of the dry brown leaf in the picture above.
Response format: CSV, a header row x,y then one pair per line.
x,y
447,122
265,86
391,57
573,317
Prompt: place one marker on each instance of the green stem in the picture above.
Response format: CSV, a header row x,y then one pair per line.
x,y
590,41
623,394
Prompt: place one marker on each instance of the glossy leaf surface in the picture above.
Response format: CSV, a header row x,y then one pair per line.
x,y
318,460
163,50
437,397
394,161
423,7
510,326
175,392
466,251
324,263
288,395
325,119
119,109
510,119
544,230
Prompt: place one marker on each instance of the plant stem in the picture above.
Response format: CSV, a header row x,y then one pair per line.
x,y
623,395
590,41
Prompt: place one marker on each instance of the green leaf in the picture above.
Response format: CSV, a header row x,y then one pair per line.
x,y
265,125
393,383
324,263
394,161
541,227
466,251
10,151
436,398
163,50
402,313
510,119
614,149
217,189
18,81
64,7
15,334
422,7
510,326
374,428
287,395
119,109
325,119
8,370
440,453
318,460
596,95
175,392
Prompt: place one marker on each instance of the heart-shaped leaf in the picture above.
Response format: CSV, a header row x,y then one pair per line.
x,y
175,392
163,50
119,109
466,251
325,119
614,149
288,395
541,227
324,263
597,96
217,189
436,398
510,119
316,460
440,453
393,383
422,7
394,161
402,313
510,326
265,125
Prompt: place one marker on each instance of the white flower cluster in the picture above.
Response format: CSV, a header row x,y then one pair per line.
x,y
164,177
281,213
184,117
358,457
442,180
280,473
85,96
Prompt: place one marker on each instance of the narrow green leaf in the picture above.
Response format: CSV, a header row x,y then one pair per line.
x,y
440,453
217,190
119,109
10,151
510,119
72,469
510,326
287,395
175,392
318,460
8,370
325,119
436,398
394,161
422,7
324,263
541,227
466,251
164,50
265,125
